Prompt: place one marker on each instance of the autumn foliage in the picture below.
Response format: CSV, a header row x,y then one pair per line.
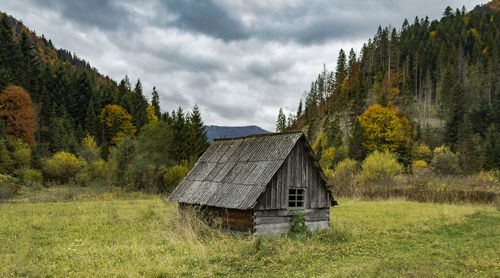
x,y
117,123
385,129
17,113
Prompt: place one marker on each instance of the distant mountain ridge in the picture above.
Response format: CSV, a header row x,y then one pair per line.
x,y
214,131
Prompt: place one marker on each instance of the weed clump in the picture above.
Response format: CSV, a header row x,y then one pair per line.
x,y
299,226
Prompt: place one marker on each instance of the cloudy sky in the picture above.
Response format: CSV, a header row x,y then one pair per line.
x,y
239,60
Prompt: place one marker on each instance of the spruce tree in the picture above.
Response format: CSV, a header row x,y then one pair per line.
x,y
356,149
139,107
197,137
333,133
457,113
492,149
281,121
469,148
80,98
299,110
180,135
155,102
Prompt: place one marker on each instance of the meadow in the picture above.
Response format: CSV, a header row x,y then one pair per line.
x,y
110,235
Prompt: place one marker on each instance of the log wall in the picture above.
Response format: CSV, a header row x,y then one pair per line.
x,y
273,222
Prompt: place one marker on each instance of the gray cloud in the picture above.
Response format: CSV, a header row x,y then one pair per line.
x,y
239,60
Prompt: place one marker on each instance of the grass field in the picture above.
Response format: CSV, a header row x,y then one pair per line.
x,y
131,238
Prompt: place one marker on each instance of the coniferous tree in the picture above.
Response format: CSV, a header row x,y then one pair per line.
x,y
155,102
139,107
180,136
197,137
299,110
281,121
80,98
456,115
492,149
356,148
469,148
333,133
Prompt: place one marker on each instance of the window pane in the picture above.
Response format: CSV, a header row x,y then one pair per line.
x,y
291,204
300,191
291,191
300,204
300,198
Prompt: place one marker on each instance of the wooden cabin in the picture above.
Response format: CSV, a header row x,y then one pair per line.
x,y
257,183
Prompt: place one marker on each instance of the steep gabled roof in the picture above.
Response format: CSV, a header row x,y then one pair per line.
x,y
233,173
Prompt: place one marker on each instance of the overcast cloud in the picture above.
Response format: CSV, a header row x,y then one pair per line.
x,y
239,60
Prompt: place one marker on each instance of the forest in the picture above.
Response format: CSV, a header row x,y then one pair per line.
x,y
425,98
61,121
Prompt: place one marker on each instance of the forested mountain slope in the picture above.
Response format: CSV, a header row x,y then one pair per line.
x,y
55,107
433,82
214,131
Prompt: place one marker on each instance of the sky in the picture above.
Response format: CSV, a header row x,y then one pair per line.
x,y
238,60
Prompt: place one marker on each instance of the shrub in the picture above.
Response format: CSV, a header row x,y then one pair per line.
x,y
63,166
32,177
8,186
326,160
173,177
444,161
299,226
83,177
89,149
22,157
422,152
419,164
379,167
341,179
6,162
99,170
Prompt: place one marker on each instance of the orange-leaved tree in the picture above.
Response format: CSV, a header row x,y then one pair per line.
x,y
385,129
18,115
117,123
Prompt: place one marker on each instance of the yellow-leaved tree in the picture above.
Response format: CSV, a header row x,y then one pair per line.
x,y
385,129
117,123
151,115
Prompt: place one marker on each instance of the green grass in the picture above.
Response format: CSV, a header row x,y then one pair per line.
x,y
131,238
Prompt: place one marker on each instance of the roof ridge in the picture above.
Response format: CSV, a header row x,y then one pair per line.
x,y
259,135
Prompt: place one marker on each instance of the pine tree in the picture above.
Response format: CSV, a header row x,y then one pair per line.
x,y
356,148
299,110
180,149
492,149
91,120
80,98
139,107
281,122
155,102
469,148
197,137
457,113
333,133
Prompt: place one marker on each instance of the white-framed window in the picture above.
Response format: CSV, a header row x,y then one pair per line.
x,y
296,197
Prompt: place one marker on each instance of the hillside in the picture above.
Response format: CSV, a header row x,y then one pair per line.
x,y
439,78
214,131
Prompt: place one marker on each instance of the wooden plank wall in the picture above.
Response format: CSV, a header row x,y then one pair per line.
x,y
297,171
232,219
270,222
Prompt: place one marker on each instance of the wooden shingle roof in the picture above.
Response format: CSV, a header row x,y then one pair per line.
x,y
233,173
